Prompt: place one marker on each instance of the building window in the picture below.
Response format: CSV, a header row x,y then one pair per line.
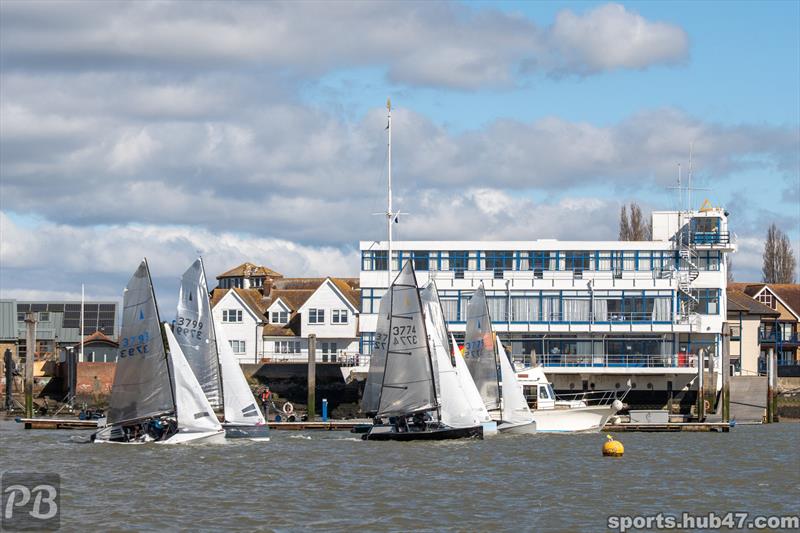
x,y
287,346
736,332
231,315
458,263
44,317
20,317
366,342
420,259
316,316
339,316
237,346
370,300
499,261
328,352
767,299
279,317
256,283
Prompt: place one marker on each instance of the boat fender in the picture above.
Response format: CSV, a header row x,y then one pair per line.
x,y
613,448
617,405
288,408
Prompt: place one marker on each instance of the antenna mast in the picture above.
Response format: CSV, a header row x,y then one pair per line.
x,y
389,213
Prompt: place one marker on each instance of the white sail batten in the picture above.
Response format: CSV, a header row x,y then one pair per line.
x,y
194,330
468,386
408,383
240,406
515,408
479,350
142,386
194,412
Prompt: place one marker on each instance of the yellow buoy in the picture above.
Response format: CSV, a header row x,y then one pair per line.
x,y
613,448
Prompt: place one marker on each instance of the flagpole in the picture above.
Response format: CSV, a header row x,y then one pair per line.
x,y
82,301
389,213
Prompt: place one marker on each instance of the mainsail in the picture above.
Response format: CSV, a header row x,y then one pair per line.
x,y
194,330
142,386
479,350
240,406
408,383
194,412
456,410
468,386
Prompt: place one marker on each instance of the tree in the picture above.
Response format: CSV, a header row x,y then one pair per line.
x,y
729,267
779,261
635,228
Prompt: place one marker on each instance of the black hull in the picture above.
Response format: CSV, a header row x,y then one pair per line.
x,y
234,431
386,433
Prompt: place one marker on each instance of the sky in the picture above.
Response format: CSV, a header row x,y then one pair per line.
x,y
255,131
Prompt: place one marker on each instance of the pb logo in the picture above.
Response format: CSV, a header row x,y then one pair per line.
x,y
30,501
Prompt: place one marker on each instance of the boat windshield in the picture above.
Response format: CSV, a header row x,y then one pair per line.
x,y
550,392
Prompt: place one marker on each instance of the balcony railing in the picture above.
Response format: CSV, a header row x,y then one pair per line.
x,y
772,337
618,361
710,237
614,318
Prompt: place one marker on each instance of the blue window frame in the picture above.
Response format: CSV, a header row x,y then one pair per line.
x,y
420,259
370,300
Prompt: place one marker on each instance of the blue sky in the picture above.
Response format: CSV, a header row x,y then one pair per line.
x,y
254,130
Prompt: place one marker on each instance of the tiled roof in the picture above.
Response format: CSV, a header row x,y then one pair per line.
x,y
788,292
350,291
739,301
251,297
99,336
249,270
292,329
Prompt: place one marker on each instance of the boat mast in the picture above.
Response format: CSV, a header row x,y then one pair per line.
x,y
389,213
163,339
83,298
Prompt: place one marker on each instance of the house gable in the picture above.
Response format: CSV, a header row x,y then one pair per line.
x,y
329,285
786,308
233,300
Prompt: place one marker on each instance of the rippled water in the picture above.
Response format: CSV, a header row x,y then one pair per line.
x,y
333,481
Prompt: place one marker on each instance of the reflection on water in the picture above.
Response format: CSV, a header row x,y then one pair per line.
x,y
334,481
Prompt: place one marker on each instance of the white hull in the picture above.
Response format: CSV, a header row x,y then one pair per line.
x,y
573,420
520,428
193,437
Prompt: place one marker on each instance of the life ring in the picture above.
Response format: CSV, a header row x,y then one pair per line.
x,y
288,408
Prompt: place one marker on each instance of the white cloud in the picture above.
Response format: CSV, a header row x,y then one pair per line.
x,y
610,37
443,44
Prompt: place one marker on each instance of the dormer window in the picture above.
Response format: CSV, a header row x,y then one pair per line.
x,y
279,317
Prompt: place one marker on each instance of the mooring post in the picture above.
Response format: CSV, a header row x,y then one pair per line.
x,y
312,376
30,351
8,360
726,372
770,385
324,409
701,391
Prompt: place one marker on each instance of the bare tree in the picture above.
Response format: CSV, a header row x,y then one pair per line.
x,y
779,261
634,228
729,267
624,225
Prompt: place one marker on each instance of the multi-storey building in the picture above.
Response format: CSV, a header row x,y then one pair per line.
x,y
594,314
778,332
267,317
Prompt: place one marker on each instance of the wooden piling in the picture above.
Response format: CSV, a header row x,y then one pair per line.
x,y
30,353
312,376
770,386
726,372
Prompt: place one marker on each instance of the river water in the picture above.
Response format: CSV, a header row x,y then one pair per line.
x,y
334,481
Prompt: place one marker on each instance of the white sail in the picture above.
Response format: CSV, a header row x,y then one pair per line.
x,y
408,381
456,410
479,350
515,408
142,385
194,330
240,405
194,412
468,386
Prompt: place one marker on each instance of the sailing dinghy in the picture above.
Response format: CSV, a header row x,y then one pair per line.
x,y
402,389
211,358
491,369
155,396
